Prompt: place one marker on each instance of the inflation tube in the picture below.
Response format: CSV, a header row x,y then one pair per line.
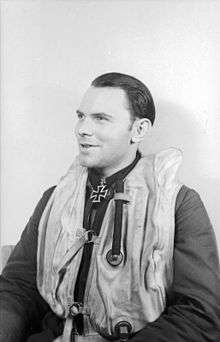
x,y
114,256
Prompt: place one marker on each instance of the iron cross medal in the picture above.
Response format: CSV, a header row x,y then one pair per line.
x,y
101,191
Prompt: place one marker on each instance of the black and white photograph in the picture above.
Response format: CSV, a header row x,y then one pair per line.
x,y
110,171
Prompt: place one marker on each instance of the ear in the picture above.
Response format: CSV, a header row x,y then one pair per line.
x,y
139,128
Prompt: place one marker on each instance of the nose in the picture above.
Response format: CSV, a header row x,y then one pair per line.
x,y
85,127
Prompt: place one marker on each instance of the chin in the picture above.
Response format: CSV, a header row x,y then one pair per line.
x,y
87,162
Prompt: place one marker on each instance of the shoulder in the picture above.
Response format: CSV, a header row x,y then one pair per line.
x,y
38,211
187,197
48,193
191,217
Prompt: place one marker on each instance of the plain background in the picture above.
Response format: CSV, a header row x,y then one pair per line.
x,y
52,50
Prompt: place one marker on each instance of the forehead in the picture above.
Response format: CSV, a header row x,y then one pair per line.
x,y
112,101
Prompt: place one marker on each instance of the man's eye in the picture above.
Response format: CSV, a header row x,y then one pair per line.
x,y
100,118
80,116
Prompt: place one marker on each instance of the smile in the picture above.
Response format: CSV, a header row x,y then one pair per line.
x,y
87,146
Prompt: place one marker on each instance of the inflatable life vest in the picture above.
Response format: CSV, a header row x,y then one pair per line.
x,y
119,298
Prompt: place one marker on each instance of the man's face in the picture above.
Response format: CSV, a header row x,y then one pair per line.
x,y
103,130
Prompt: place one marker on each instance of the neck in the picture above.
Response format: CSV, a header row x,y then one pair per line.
x,y
107,172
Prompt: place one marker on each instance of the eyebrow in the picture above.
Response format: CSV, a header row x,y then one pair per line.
x,y
95,114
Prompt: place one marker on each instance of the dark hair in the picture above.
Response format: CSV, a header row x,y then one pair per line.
x,y
140,100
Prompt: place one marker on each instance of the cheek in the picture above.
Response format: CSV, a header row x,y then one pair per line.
x,y
103,134
119,142
113,136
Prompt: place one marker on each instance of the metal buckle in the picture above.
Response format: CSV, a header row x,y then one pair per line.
x,y
90,236
74,309
77,308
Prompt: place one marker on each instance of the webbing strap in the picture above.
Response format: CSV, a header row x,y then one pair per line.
x,y
83,236
67,329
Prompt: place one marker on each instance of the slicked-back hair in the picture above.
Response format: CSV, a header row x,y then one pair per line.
x,y
141,104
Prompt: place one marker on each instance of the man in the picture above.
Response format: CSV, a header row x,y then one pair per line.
x,y
119,249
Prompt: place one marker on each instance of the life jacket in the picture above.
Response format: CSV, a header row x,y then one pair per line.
x,y
132,292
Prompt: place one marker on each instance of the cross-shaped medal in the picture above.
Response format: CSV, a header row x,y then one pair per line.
x,y
100,192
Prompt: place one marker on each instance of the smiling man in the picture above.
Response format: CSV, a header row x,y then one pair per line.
x,y
106,130
119,249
